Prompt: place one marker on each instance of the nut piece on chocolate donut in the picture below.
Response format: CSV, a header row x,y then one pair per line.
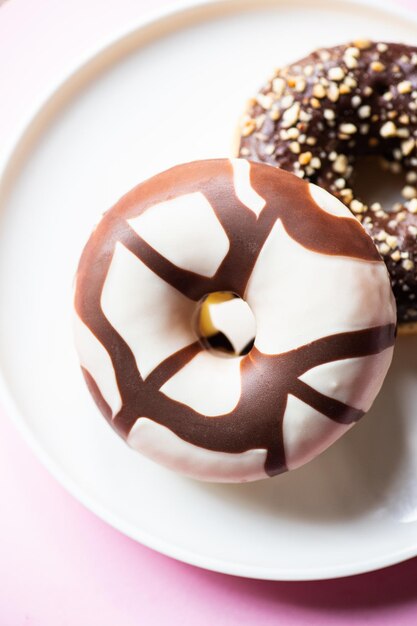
x,y
316,116
309,358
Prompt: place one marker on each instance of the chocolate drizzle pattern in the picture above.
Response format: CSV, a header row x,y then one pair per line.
x,y
266,380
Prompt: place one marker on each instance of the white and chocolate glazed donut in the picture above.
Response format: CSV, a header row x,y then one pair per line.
x,y
319,292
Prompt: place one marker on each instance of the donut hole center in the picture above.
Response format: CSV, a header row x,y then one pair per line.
x,y
379,181
225,324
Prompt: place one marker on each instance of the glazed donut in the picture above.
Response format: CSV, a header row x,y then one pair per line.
x,y
318,290
316,116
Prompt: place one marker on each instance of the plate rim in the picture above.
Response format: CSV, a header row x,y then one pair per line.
x,y
8,154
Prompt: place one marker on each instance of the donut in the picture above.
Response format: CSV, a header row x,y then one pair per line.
x,y
318,115
312,278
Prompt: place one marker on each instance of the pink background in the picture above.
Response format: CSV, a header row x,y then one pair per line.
x,y
59,564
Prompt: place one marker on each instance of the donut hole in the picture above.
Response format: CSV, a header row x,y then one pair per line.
x,y
379,181
225,324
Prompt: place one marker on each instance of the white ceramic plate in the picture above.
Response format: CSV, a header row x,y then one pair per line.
x,y
170,91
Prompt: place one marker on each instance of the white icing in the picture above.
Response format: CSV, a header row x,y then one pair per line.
x,y
298,295
353,381
209,384
96,360
307,432
163,446
186,231
329,203
243,188
152,317
235,320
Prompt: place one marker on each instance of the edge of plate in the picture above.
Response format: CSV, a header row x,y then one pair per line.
x,y
181,8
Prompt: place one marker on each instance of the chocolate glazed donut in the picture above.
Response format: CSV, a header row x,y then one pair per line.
x,y
316,116
139,355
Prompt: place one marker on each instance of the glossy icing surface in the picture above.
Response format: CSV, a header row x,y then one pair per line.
x,y
318,289
316,116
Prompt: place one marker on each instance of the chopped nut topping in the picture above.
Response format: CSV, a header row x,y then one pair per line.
x,y
290,116
388,129
304,116
377,66
392,241
347,195
293,133
357,207
315,163
348,129
396,256
278,86
403,133
407,146
356,101
412,205
287,101
353,51
404,86
362,44
248,127
350,81
264,101
270,149
340,164
333,92
384,248
350,61
364,111
408,192
382,47
295,147
305,158
407,264
329,114
319,91
259,121
336,73
340,183
300,84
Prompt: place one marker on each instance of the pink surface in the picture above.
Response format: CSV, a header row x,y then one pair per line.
x,y
59,564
